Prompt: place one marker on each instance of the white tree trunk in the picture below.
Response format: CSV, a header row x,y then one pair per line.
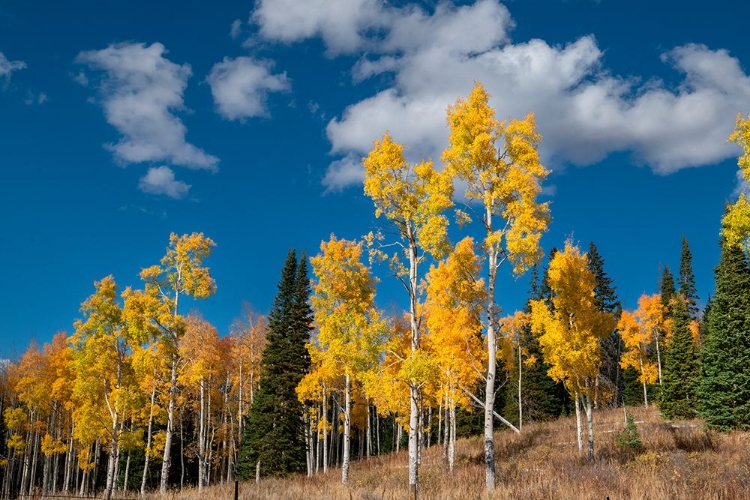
x,y
413,388
590,426
579,428
452,436
167,457
347,429
149,433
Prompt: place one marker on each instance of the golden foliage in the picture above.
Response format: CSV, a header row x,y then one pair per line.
x,y
736,221
569,333
499,161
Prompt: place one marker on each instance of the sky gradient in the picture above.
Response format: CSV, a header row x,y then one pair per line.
x,y
121,122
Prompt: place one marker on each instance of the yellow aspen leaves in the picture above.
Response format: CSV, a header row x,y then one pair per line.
x,y
736,221
504,176
569,333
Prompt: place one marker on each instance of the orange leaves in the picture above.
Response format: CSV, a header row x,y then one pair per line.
x,y
455,299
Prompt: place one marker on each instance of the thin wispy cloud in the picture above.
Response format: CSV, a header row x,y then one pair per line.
x,y
7,67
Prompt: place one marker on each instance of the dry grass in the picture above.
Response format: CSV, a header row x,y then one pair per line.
x,y
679,460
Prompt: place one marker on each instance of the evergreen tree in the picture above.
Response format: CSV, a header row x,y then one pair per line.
x,y
724,390
274,431
686,280
605,296
668,290
681,369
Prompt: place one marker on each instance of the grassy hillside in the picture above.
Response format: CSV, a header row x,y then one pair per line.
x,y
679,460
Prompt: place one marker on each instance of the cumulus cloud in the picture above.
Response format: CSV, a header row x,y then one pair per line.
x,y
240,87
140,92
583,110
160,180
7,67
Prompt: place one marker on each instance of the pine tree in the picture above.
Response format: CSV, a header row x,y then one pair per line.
x,y
274,431
681,368
605,296
686,280
668,290
724,390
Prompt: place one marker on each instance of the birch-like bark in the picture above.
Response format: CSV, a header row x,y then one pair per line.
x,y
590,425
149,433
167,456
413,388
489,401
347,429
579,429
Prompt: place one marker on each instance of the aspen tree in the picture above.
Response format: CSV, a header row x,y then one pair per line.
x,y
412,198
499,164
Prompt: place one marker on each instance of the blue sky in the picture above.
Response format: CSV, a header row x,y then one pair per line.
x,y
121,122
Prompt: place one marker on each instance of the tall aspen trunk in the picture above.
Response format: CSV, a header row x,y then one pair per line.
x,y
520,398
182,454
202,437
377,432
658,356
325,431
590,425
347,429
579,428
645,391
167,457
413,388
69,460
446,432
310,453
149,433
489,401
452,436
127,473
369,431
27,460
113,458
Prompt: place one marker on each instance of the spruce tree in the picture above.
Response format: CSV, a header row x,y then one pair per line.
x,y
681,370
668,290
724,390
605,296
686,280
274,431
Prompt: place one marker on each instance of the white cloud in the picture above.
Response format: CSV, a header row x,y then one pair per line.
x,y
340,23
7,67
140,93
240,87
583,110
343,173
235,29
160,180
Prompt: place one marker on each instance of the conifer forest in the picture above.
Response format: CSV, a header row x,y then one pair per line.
x,y
142,395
